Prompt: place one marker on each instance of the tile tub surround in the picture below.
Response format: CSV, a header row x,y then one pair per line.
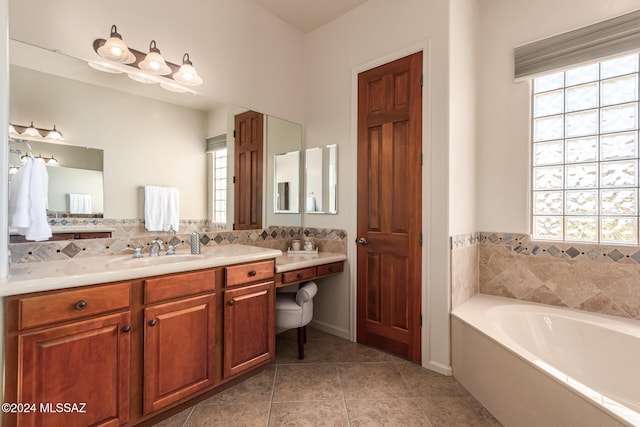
x,y
338,383
327,240
598,278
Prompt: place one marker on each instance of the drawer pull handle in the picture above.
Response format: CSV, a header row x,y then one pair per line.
x,y
81,305
231,303
126,329
152,322
300,275
252,273
331,269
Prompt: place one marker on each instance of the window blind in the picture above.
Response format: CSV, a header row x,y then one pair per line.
x,y
216,143
606,38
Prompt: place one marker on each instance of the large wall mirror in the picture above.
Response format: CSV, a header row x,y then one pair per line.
x,y
321,171
164,146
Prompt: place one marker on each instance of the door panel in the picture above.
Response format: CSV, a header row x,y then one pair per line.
x,y
389,206
248,170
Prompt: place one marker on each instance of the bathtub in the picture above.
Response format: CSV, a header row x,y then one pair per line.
x,y
536,365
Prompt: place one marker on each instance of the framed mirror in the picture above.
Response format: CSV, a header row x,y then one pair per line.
x,y
321,179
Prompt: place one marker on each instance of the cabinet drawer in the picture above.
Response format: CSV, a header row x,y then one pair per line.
x,y
335,267
247,273
299,275
69,305
178,285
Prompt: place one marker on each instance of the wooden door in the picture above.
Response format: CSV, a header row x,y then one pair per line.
x,y
249,327
85,363
179,355
389,206
248,171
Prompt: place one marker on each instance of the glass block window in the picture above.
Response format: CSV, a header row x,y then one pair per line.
x,y
220,186
585,153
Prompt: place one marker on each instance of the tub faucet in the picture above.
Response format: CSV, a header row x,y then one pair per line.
x,y
156,246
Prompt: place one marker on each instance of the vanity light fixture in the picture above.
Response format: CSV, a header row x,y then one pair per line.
x,y
145,68
32,132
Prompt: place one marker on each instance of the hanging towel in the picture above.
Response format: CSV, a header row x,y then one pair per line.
x,y
28,195
161,208
79,203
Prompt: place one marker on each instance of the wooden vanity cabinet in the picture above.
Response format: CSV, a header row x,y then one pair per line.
x,y
72,354
249,317
179,337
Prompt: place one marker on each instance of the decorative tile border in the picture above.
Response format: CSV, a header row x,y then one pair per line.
x,y
328,240
523,245
460,241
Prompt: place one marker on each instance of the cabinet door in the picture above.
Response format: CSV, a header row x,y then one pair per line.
x,y
249,331
77,374
179,356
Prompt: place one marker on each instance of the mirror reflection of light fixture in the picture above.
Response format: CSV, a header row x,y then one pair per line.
x,y
31,131
13,170
187,74
154,63
55,134
115,49
158,70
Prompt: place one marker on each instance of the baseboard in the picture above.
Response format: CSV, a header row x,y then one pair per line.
x,y
439,368
330,329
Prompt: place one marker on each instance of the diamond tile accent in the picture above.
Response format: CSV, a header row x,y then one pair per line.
x,y
553,251
636,257
572,252
174,241
205,239
595,254
71,250
231,238
264,235
616,255
218,238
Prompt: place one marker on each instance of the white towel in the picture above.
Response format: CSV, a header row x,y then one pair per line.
x,y
79,203
28,203
161,208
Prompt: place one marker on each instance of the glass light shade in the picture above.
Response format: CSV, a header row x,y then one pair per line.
x,y
187,75
31,131
154,62
114,49
12,130
13,170
52,161
40,159
55,134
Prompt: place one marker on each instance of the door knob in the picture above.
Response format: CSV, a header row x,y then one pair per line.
x,y
362,241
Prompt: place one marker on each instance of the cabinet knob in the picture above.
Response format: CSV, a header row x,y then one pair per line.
x,y
231,303
81,305
331,269
126,329
300,275
252,273
153,322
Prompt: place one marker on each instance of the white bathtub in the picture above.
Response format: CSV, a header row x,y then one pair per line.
x,y
537,365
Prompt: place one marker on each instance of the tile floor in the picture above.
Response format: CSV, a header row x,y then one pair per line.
x,y
339,383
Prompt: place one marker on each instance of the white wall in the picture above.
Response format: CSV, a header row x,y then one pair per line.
x,y
145,142
376,32
244,54
503,106
462,143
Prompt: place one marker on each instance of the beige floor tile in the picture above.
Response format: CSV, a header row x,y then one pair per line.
x,y
258,388
311,414
457,411
425,383
371,381
177,420
237,415
307,382
392,412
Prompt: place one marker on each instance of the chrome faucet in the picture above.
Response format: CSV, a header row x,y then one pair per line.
x,y
171,249
156,246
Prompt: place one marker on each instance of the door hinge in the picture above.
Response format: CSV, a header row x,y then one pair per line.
x,y
421,159
234,179
234,133
421,79
420,239
420,320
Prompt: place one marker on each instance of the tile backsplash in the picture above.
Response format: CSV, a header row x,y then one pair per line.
x,y
597,278
131,234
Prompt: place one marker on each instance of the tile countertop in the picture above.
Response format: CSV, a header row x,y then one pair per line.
x,y
49,275
57,229
288,262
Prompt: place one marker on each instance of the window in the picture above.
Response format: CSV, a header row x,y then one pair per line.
x,y
585,153
220,186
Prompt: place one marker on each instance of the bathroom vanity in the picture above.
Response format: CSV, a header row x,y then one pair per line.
x,y
117,341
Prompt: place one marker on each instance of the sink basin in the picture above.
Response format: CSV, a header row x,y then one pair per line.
x,y
130,261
